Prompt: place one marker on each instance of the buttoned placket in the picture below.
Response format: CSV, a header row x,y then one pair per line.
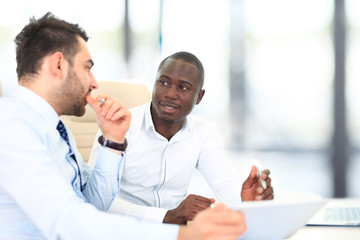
x,y
162,174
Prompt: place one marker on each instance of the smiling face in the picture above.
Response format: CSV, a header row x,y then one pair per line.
x,y
176,91
78,83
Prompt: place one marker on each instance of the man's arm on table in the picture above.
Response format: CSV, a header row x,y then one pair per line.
x,y
185,212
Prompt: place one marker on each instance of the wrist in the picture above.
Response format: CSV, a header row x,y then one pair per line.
x,y
167,218
114,139
184,233
172,217
118,146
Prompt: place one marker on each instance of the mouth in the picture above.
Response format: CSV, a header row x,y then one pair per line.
x,y
169,107
88,93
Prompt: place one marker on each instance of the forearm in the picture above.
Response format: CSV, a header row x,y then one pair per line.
x,y
150,214
103,184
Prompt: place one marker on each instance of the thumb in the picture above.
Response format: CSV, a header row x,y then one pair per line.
x,y
252,177
253,172
93,104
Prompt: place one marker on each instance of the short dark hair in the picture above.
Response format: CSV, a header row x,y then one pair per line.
x,y
189,58
43,37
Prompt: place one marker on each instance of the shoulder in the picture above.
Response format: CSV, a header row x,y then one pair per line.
x,y
202,127
207,133
17,117
12,108
199,123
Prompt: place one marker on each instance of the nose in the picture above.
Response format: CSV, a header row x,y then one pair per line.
x,y
93,83
172,92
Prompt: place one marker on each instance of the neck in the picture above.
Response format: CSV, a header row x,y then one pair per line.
x,y
43,90
165,128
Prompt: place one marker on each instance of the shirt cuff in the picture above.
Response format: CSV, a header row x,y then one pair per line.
x,y
154,214
142,213
108,161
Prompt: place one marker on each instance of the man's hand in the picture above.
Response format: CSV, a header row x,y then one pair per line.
x,y
187,209
217,223
252,189
113,118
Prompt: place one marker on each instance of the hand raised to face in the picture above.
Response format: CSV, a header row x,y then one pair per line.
x,y
113,117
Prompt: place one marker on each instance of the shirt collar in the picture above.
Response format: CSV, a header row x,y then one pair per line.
x,y
37,103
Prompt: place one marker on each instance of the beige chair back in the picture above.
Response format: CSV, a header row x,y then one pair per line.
x,y
85,128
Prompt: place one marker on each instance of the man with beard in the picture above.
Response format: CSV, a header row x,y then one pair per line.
x,y
166,144
46,190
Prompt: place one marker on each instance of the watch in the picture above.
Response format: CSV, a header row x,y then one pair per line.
x,y
113,145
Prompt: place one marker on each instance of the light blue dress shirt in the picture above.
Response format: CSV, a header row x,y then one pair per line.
x,y
40,196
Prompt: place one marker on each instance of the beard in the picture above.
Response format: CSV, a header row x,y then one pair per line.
x,y
73,95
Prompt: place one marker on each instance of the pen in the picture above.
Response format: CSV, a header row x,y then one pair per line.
x,y
262,181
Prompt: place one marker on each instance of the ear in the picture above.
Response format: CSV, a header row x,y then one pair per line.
x,y
200,96
58,65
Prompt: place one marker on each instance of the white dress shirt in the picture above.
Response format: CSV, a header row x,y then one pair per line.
x,y
157,172
40,196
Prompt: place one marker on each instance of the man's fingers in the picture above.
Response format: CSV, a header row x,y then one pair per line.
x,y
220,207
226,216
212,200
201,199
219,222
197,208
123,113
198,197
269,193
107,107
253,172
265,173
268,181
251,179
196,205
93,104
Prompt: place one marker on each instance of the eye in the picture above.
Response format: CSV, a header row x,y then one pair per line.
x,y
163,82
183,88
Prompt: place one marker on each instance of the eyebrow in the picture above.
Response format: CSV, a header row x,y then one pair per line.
x,y
185,82
164,76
